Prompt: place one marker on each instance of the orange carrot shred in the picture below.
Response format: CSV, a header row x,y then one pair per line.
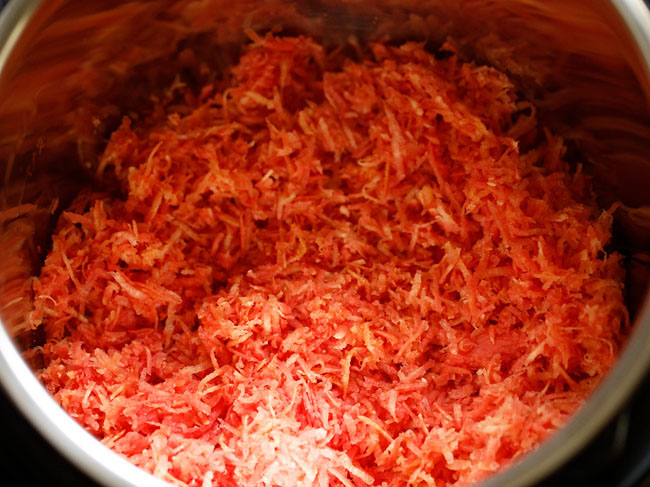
x,y
330,272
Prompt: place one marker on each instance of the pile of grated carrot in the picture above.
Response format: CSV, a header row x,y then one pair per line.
x,y
326,271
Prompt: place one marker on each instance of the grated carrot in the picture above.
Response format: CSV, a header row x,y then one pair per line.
x,y
332,272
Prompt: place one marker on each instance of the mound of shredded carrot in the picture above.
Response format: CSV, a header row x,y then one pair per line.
x,y
331,269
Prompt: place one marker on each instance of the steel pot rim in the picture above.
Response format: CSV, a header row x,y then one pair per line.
x,y
111,469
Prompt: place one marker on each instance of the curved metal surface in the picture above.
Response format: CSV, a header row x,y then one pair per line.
x,y
63,432
17,379
62,62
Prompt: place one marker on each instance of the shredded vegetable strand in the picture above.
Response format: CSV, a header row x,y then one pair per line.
x,y
326,272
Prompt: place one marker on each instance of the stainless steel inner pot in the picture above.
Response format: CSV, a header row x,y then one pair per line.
x,y
70,68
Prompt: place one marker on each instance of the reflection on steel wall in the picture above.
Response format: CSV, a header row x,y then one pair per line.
x,y
67,85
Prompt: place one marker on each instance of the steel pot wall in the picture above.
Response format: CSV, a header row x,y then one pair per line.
x,y
70,68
